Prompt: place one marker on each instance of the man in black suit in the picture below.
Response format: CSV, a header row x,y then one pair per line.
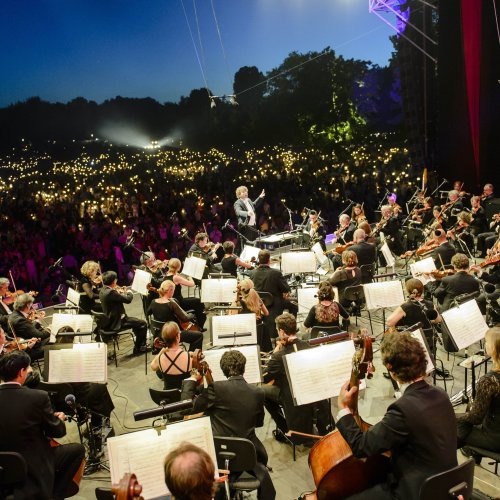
x,y
266,279
345,232
297,418
246,212
457,284
366,253
444,252
235,409
112,305
418,429
27,421
315,230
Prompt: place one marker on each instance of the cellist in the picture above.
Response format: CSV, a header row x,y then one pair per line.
x,y
417,428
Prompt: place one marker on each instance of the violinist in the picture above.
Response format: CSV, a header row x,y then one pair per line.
x,y
231,261
4,290
390,225
424,215
156,270
235,409
418,428
28,328
459,283
478,222
297,418
444,250
113,300
358,214
366,253
201,248
91,282
487,240
488,195
345,230
397,211
453,206
315,229
461,234
347,275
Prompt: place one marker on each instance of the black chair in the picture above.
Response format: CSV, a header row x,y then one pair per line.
x,y
237,455
267,298
367,273
156,327
107,335
479,453
324,330
450,484
13,472
355,295
165,397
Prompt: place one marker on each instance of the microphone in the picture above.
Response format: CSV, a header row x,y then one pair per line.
x,y
489,287
226,224
70,400
57,263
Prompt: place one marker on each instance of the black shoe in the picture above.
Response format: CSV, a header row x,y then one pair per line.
x,y
280,437
442,373
387,376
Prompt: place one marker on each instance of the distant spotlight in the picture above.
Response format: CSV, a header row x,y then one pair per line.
x,y
213,104
232,100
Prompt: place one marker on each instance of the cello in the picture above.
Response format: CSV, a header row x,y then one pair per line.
x,y
336,471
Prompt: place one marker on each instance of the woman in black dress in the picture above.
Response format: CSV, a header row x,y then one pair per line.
x,y
347,275
231,261
90,281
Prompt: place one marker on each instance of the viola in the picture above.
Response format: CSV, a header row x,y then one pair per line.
x,y
128,488
491,261
10,297
337,473
18,344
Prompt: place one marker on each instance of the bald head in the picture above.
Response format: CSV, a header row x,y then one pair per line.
x,y
359,235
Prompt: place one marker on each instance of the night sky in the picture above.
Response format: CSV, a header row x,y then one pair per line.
x,y
98,49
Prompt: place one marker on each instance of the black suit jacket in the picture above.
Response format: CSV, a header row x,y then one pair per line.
x,y
347,235
453,286
272,281
235,408
112,306
420,431
446,251
26,328
27,420
241,212
367,254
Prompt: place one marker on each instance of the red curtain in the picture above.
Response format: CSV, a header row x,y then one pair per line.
x,y
471,39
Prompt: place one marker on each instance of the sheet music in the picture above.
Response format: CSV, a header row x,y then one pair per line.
x,y
218,290
319,373
318,251
194,267
143,454
384,294
141,280
72,297
466,324
298,262
321,271
80,364
235,329
423,266
78,322
252,367
419,335
386,252
307,298
249,252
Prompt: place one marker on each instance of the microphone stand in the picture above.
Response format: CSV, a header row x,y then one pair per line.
x,y
382,201
290,221
351,203
444,181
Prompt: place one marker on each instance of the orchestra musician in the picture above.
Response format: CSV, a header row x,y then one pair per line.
x,y
358,214
113,301
297,418
245,210
165,309
187,303
366,254
418,428
453,207
173,362
90,281
390,225
416,310
347,275
327,311
235,409
26,424
457,284
397,211
461,233
488,195
487,240
424,214
4,290
231,261
345,231
444,251
478,223
481,425
203,249
156,269
315,229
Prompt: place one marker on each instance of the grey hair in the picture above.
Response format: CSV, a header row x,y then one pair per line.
x,y
344,217
359,234
4,281
23,300
146,256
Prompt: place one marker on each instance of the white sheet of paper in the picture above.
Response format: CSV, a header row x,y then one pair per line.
x,y
249,252
218,290
319,373
298,262
386,252
466,324
78,322
383,294
80,364
253,373
140,282
419,335
423,266
194,267
72,297
237,329
318,251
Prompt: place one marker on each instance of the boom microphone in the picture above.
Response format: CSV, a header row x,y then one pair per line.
x,y
70,400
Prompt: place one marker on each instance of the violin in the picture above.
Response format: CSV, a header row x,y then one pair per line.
x,y
10,297
128,488
158,264
340,248
19,344
491,260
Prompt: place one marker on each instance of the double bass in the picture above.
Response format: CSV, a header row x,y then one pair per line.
x,y
336,471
